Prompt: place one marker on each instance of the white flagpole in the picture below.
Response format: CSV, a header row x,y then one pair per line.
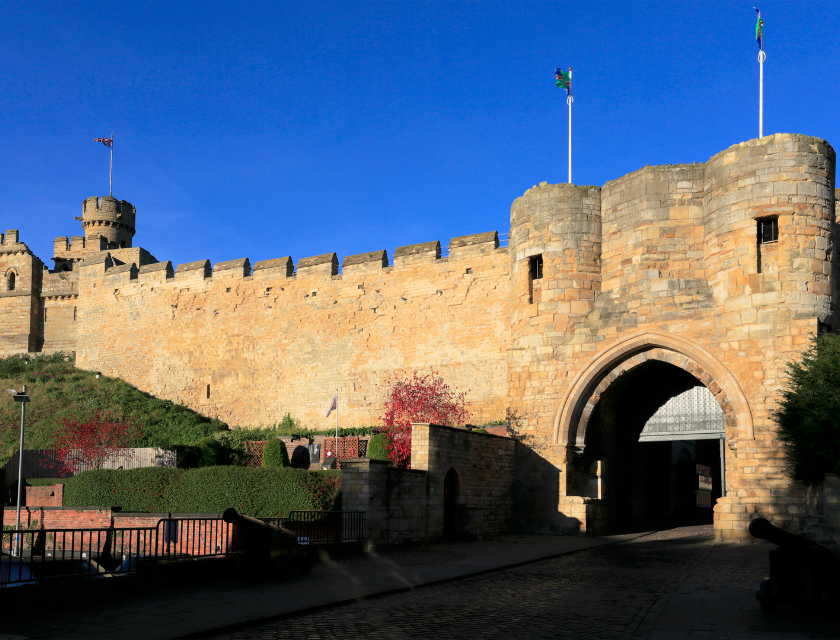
x,y
569,101
336,419
761,58
111,170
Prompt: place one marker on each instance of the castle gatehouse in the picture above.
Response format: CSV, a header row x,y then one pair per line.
x,y
613,316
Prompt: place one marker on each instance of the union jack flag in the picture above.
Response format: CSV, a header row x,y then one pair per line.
x,y
106,141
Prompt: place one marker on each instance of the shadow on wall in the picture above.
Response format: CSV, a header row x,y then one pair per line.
x,y
536,495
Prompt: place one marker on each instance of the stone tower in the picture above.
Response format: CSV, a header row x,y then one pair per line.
x,y
555,251
109,218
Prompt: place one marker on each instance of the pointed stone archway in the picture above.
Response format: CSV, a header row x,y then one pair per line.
x,y
633,350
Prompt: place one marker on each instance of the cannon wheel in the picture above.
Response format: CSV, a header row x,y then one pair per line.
x,y
765,595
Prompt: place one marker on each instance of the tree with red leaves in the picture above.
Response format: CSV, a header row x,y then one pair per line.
x,y
90,444
418,399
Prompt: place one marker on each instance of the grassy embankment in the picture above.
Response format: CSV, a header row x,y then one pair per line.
x,y
60,391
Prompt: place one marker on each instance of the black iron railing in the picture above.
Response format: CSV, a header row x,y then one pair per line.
x,y
323,527
35,555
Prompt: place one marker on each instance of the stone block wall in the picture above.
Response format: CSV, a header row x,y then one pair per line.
x,y
291,340
20,283
408,505
400,505
485,466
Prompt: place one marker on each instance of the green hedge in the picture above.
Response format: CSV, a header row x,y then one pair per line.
x,y
275,454
262,493
376,447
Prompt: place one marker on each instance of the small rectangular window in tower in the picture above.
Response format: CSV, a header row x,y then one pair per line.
x,y
45,314
768,231
768,234
535,273
535,264
208,391
74,314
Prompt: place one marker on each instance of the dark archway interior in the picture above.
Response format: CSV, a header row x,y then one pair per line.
x,y
642,485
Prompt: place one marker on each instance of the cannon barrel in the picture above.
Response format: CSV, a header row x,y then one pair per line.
x,y
232,516
761,528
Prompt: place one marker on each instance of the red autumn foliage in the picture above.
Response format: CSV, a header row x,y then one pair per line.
x,y
418,399
89,444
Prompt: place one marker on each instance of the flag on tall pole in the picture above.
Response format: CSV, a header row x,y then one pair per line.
x,y
334,407
759,38
564,81
109,142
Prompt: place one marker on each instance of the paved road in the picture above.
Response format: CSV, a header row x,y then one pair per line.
x,y
671,584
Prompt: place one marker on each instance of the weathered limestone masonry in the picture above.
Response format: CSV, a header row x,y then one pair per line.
x,y
664,266
249,345
663,277
38,306
407,505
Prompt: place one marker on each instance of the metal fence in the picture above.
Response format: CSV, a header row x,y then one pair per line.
x,y
323,527
32,556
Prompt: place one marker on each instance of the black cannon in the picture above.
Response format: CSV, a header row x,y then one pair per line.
x,y
264,546
801,571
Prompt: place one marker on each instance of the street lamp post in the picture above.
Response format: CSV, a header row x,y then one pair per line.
x,y
19,396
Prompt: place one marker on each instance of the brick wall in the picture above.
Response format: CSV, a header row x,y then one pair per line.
x,y
52,496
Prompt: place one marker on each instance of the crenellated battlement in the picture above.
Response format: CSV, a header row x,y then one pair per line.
x,y
110,218
720,269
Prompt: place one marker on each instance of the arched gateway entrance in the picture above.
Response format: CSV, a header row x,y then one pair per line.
x,y
636,423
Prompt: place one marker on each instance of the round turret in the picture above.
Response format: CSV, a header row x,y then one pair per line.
x,y
555,247
769,207
110,218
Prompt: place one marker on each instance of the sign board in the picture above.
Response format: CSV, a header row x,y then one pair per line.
x,y
705,483
703,470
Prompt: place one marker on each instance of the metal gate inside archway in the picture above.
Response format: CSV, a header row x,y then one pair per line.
x,y
654,452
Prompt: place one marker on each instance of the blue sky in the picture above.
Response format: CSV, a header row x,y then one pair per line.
x,y
301,128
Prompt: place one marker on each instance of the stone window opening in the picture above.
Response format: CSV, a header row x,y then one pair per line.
x,y
45,314
535,274
208,391
74,314
767,230
10,281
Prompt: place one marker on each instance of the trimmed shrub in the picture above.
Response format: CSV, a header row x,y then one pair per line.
x,y
261,493
210,452
377,447
275,454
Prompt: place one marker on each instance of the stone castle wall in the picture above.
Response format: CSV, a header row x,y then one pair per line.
x,y
250,347
661,267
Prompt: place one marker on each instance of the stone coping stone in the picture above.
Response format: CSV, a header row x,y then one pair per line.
x,y
475,238
158,266
362,258
195,266
277,263
316,260
242,263
418,249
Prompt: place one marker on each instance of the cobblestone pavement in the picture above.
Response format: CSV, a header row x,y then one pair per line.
x,y
618,591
